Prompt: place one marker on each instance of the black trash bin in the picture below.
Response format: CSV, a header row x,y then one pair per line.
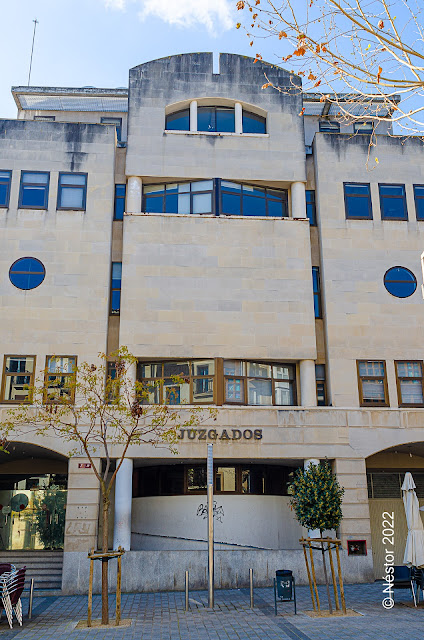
x,y
284,587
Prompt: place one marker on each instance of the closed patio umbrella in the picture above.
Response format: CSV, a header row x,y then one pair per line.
x,y
414,550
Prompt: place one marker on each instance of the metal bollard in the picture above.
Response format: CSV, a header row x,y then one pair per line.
x,y
186,590
251,587
31,595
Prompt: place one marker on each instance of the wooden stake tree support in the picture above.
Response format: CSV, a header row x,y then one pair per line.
x,y
105,557
326,545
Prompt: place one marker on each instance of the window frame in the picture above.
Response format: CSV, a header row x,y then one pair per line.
x,y
284,200
159,380
214,108
386,402
336,129
323,382
40,118
117,125
244,377
48,375
8,184
27,258
384,197
398,266
60,187
256,115
357,195
116,198
317,293
191,193
186,110
34,184
421,186
112,289
6,375
400,378
370,130
312,202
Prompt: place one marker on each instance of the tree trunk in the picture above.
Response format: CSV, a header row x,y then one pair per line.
x,y
105,564
330,606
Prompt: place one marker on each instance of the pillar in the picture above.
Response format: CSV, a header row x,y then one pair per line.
x,y
134,188
123,504
308,390
238,113
193,115
312,533
298,200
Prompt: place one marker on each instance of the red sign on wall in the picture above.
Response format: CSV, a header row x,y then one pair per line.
x,y
84,465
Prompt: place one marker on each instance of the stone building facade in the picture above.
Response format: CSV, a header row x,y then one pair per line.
x,y
244,237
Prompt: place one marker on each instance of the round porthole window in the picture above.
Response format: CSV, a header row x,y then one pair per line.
x,y
27,273
400,282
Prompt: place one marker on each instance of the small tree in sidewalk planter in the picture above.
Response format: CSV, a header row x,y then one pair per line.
x,y
101,412
316,498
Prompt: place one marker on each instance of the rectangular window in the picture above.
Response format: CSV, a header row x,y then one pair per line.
x,y
257,383
118,125
115,289
316,282
120,191
419,200
225,480
216,119
72,191
179,382
321,386
329,126
409,376
60,379
248,200
185,197
18,378
310,207
5,181
393,202
372,383
45,118
357,199
34,192
363,127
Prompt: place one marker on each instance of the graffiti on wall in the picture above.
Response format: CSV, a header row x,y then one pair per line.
x,y
218,511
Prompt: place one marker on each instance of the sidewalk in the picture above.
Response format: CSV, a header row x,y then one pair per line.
x,y
161,616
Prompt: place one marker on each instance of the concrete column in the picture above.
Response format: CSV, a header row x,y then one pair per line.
x,y
238,117
193,115
134,189
308,390
123,503
298,200
312,533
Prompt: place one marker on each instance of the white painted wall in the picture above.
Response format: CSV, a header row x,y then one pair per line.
x,y
173,522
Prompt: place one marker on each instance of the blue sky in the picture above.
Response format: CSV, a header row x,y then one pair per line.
x,y
95,42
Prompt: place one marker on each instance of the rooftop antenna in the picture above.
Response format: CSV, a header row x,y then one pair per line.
x,y
32,49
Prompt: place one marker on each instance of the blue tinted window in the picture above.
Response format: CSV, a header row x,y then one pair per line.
x,y
310,207
178,121
317,291
253,123
34,190
220,119
400,282
5,180
329,125
27,273
115,295
393,202
249,200
183,197
72,191
357,200
120,190
419,201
